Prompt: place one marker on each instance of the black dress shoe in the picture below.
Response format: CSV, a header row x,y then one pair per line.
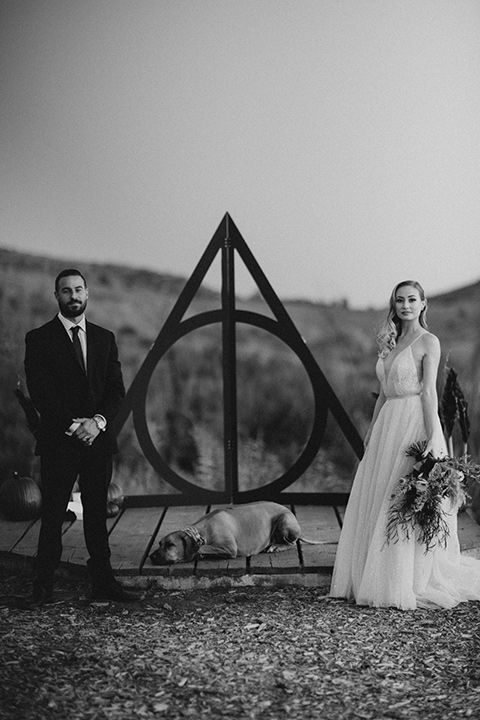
x,y
114,592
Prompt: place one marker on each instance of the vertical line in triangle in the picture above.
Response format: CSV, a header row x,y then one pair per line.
x,y
229,365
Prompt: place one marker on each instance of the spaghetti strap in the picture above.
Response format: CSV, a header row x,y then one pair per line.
x,y
418,338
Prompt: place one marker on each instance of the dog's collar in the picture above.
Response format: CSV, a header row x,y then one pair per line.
x,y
195,535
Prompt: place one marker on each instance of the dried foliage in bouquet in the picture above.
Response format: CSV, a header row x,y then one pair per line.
x,y
418,502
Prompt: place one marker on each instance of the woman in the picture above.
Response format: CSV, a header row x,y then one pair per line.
x,y
367,568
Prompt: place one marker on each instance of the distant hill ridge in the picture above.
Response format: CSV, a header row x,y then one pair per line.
x,y
154,280
132,277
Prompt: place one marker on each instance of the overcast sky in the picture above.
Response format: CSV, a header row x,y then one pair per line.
x,y
343,136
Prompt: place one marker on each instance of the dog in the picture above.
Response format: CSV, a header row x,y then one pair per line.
x,y
237,531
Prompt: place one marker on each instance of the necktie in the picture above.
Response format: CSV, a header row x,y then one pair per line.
x,y
78,348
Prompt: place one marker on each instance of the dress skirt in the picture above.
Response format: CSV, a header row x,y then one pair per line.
x,y
399,574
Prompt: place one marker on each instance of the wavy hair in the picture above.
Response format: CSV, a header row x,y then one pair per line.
x,y
392,327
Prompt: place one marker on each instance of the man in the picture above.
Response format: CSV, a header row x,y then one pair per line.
x,y
75,382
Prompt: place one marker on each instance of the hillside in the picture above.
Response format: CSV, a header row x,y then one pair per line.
x,y
274,393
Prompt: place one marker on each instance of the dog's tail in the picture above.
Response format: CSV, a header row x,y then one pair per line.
x,y
317,542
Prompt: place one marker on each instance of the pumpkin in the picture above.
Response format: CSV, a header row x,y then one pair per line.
x,y
20,498
114,499
115,494
112,509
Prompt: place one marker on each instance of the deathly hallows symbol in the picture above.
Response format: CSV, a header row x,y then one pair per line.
x,y
227,240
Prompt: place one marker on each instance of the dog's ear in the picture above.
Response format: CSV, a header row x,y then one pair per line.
x,y
190,547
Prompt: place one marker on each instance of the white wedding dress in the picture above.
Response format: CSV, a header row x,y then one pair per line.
x,y
401,574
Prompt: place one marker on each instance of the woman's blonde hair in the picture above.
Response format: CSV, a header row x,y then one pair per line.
x,y
391,328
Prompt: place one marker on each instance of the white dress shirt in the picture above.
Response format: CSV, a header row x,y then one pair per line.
x,y
82,335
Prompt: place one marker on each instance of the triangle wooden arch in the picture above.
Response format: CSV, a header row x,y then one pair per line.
x,y
227,240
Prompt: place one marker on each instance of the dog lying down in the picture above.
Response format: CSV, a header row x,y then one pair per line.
x,y
241,530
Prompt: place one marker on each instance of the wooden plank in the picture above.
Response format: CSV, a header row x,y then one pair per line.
x,y
28,544
237,566
468,531
286,498
282,561
74,550
12,531
179,517
172,500
341,512
130,537
129,540
276,562
221,566
175,518
318,523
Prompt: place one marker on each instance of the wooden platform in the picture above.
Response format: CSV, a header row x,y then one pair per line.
x,y
135,531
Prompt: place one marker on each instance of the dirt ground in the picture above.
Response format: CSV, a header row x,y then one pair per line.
x,y
230,653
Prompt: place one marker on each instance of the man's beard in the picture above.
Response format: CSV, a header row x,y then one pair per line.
x,y
70,310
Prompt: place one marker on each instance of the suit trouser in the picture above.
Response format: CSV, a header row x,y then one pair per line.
x,y
59,471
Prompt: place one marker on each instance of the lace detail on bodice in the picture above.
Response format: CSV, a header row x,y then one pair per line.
x,y
402,378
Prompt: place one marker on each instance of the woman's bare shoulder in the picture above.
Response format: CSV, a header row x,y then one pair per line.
x,y
429,342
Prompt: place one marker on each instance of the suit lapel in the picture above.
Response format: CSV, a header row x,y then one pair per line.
x,y
92,348
62,339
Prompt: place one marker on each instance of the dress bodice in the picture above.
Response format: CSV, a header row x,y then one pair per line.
x,y
402,377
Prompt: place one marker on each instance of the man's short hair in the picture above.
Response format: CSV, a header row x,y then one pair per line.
x,y
67,273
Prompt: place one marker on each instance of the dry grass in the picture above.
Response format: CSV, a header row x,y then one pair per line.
x,y
262,653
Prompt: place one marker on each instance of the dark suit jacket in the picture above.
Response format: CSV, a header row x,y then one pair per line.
x,y
61,391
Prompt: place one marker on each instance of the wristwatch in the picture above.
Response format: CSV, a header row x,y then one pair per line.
x,y
101,422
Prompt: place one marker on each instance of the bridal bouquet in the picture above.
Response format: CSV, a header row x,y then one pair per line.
x,y
418,502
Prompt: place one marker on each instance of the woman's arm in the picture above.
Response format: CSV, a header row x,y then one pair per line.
x,y
378,405
430,362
